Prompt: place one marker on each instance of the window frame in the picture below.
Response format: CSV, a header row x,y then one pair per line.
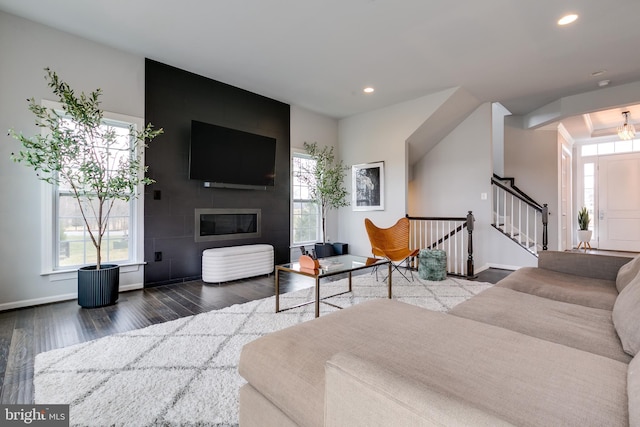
x,y
294,243
50,218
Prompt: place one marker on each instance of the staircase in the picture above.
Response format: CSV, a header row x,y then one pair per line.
x,y
518,216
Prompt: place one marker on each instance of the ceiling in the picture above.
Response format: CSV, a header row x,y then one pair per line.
x,y
321,54
601,125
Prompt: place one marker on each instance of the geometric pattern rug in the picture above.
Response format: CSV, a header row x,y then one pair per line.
x,y
185,372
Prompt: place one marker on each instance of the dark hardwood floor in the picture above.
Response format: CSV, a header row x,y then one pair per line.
x,y
26,332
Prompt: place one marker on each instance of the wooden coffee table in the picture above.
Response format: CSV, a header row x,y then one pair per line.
x,y
329,266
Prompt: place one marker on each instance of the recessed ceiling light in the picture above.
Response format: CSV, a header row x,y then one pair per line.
x,y
368,89
598,73
567,19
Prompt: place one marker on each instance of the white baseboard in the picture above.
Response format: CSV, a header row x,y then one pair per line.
x,y
481,269
57,298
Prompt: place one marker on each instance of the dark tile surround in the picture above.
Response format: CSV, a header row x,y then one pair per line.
x,y
173,98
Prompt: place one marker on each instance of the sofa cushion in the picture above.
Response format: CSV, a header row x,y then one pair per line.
x,y
590,292
626,317
580,264
513,376
633,390
361,393
627,273
585,328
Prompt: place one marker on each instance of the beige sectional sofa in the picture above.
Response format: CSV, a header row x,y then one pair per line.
x,y
546,346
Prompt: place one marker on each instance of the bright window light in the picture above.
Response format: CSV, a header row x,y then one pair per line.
x,y
590,150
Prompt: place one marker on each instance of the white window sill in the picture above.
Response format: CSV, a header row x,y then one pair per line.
x,y
56,275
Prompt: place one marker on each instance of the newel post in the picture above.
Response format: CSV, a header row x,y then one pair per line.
x,y
470,269
545,221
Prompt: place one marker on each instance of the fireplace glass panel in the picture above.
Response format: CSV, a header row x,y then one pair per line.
x,y
219,224
226,224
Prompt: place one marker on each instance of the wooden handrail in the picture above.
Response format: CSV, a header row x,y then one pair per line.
x,y
437,218
515,188
517,195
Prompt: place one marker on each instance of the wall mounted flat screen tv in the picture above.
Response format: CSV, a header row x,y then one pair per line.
x,y
230,158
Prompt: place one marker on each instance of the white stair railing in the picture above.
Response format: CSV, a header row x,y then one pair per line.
x,y
450,234
519,217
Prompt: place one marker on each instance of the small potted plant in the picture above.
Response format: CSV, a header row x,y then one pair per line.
x,y
584,234
76,151
326,187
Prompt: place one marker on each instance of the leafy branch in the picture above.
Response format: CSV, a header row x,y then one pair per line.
x,y
325,179
77,150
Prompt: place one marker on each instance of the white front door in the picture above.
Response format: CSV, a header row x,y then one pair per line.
x,y
619,202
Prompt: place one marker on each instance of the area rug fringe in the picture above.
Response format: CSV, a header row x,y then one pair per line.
x,y
184,372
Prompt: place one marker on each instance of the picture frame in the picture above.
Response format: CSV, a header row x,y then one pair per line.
x,y
367,187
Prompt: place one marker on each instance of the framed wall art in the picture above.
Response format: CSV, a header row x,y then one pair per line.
x,y
368,187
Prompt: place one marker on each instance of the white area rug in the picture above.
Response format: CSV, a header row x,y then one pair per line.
x,y
184,372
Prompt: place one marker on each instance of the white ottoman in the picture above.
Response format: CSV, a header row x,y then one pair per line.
x,y
236,262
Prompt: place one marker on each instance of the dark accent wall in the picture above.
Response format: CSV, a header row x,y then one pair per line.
x,y
173,98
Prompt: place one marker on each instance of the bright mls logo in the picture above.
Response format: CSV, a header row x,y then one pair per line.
x,y
36,415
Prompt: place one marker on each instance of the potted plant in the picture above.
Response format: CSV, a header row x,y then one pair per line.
x,y
326,187
584,234
77,150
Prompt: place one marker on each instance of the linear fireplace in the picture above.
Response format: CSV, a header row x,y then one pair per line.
x,y
226,224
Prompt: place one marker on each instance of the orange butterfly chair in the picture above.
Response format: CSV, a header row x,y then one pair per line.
x,y
392,243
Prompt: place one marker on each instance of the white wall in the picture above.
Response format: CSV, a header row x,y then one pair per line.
x,y
450,179
26,48
532,158
381,135
307,126
499,113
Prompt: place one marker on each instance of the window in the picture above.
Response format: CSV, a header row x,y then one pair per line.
x,y
70,242
589,200
615,147
306,214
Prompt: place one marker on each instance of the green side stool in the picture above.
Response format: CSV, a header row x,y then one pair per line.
x,y
432,264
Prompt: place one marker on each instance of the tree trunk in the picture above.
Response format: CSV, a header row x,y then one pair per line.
x,y
324,230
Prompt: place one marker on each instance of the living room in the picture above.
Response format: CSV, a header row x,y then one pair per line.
x,y
461,145
391,134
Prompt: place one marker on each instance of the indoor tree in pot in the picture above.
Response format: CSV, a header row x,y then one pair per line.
x,y
325,179
584,234
78,151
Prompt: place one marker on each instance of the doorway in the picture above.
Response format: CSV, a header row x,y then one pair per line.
x,y
565,200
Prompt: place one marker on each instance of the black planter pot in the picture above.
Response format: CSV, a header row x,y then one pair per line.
x,y
324,250
340,248
97,288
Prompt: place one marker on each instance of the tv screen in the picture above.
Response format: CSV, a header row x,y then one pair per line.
x,y
224,157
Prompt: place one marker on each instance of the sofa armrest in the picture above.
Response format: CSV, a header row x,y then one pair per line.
x,y
362,393
587,265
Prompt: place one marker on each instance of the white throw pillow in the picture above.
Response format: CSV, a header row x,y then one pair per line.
x,y
626,317
627,273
